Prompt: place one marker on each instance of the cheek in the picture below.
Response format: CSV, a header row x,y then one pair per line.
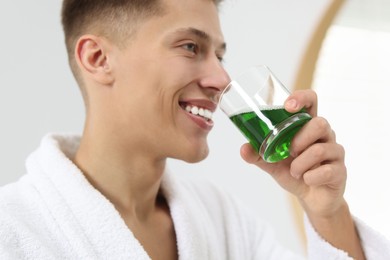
x,y
149,92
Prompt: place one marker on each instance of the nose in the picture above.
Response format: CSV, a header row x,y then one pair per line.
x,y
215,76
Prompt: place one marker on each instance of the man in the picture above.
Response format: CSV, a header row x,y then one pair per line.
x,y
142,66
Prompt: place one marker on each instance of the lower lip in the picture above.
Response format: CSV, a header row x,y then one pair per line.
x,y
206,125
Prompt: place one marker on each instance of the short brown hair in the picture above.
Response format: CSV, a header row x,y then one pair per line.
x,y
114,19
104,18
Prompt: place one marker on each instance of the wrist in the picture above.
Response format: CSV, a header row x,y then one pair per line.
x,y
324,208
330,216
339,230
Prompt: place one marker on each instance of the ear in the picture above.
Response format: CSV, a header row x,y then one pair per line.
x,y
91,56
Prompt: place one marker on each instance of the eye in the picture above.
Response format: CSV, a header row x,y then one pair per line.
x,y
191,47
220,58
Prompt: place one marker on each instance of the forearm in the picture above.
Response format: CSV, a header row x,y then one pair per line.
x,y
339,230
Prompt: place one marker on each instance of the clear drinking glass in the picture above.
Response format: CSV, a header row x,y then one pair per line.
x,y
254,102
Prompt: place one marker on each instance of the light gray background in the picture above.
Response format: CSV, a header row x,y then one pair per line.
x,y
38,94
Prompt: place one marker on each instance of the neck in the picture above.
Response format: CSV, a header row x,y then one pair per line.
x,y
128,178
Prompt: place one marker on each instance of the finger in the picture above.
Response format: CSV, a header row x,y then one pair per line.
x,y
329,174
249,154
315,156
279,171
316,130
302,99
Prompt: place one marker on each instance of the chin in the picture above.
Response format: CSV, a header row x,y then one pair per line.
x,y
195,156
197,159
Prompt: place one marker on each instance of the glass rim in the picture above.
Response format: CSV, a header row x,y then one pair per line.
x,y
228,86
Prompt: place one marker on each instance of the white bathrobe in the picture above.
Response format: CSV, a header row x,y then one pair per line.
x,y
53,212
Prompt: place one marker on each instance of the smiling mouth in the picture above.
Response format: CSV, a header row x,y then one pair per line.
x,y
197,111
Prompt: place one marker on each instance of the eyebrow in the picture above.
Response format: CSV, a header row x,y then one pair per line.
x,y
201,34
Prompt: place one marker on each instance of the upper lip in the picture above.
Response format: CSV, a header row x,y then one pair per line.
x,y
203,103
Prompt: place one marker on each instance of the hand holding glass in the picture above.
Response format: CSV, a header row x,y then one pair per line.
x,y
254,102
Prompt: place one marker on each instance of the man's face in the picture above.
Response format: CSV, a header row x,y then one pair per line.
x,y
167,81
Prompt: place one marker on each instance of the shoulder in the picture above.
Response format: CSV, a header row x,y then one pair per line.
x,y
12,203
26,227
9,195
9,221
19,208
15,196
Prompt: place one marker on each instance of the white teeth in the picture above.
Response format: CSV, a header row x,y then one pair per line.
x,y
203,112
208,114
194,110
